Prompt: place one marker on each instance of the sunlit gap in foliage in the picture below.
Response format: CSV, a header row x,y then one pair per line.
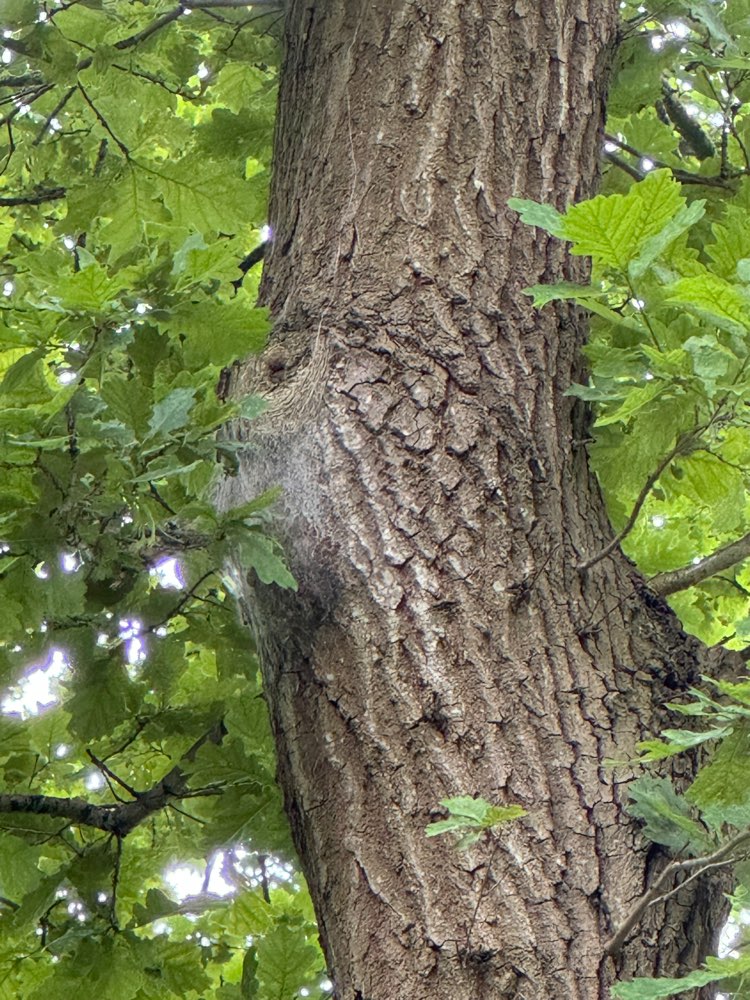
x,y
731,939
38,689
227,872
168,574
40,686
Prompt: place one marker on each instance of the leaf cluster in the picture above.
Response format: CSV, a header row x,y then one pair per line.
x,y
472,818
134,152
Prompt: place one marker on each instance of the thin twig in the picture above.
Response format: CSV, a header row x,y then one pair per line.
x,y
684,442
104,123
142,723
691,878
723,854
187,815
53,114
618,161
11,147
111,774
115,884
189,595
684,176
160,22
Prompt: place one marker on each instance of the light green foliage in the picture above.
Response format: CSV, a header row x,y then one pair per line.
x,y
134,155
472,818
669,385
730,972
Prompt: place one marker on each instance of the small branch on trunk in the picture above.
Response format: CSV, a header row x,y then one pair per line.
x,y
120,818
690,575
254,257
723,855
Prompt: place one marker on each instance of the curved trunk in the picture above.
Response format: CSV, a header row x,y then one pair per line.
x,y
437,501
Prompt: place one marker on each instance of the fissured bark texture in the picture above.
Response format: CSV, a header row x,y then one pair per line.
x,y
437,501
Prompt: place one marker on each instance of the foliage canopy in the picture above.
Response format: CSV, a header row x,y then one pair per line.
x,y
134,158
135,143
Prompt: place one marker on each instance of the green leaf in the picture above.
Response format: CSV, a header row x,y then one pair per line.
x,y
713,298
90,289
157,905
588,297
715,970
614,229
128,400
655,245
171,413
285,960
534,214
635,400
212,201
20,371
99,702
666,816
723,781
471,817
265,556
219,333
676,741
19,867
655,989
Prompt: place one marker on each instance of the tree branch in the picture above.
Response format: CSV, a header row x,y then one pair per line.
x,y
53,114
722,855
141,36
52,194
618,161
254,257
688,576
684,176
121,818
108,773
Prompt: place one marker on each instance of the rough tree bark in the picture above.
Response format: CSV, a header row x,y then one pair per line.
x,y
437,501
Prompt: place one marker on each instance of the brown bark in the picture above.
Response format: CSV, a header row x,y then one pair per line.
x,y
436,505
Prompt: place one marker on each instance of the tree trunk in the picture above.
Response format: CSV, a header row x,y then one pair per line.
x,y
437,501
